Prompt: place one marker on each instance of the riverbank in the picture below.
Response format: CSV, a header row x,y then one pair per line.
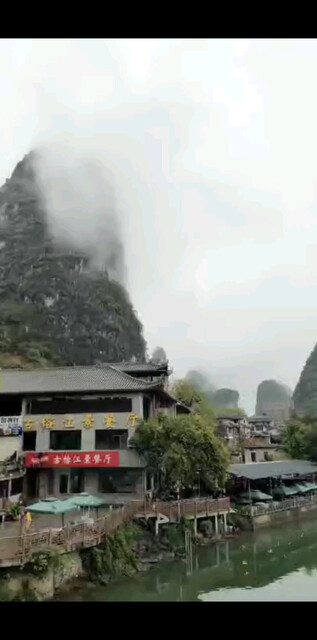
x,y
132,549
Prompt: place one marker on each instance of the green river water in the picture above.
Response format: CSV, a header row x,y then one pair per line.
x,y
272,564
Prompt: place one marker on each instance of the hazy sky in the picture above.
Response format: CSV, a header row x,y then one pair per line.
x,y
211,146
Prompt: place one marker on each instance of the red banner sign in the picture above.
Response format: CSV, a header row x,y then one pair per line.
x,y
73,459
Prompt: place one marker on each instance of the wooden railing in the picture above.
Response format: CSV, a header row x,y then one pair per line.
x,y
176,510
18,549
285,505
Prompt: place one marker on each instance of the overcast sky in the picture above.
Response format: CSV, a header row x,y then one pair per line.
x,y
212,147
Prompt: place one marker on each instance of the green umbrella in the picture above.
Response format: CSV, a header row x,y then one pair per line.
x,y
285,491
87,500
301,487
52,506
257,495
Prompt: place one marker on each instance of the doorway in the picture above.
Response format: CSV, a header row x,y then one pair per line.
x,y
72,481
32,488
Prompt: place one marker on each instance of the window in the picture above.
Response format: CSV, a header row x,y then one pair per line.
x,y
77,481
253,456
146,408
59,406
111,439
29,441
50,482
72,481
118,480
65,440
4,489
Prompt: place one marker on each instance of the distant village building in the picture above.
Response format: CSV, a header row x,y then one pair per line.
x,y
252,439
78,424
261,424
233,428
261,449
11,468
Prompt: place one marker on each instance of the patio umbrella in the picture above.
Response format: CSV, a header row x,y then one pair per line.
x,y
285,491
87,500
257,495
52,506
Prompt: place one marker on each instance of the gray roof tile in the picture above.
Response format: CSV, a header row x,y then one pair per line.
x,y
69,379
257,470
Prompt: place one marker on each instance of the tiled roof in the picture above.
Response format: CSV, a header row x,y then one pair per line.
x,y
69,379
257,470
139,367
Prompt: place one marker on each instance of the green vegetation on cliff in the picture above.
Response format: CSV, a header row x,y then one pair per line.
x,y
53,307
305,394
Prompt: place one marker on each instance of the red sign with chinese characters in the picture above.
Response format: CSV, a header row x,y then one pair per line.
x,y
73,459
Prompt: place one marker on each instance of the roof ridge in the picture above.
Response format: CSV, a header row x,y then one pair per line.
x,y
128,377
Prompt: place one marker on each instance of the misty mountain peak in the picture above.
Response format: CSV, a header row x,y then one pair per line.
x,y
54,301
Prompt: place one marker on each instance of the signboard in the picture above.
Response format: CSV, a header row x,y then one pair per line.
x,y
73,459
11,425
88,421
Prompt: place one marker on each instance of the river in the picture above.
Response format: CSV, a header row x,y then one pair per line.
x,y
272,564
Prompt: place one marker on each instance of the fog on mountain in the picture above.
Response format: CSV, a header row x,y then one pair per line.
x,y
61,301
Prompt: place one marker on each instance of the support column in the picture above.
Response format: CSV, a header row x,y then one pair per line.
x,y
195,526
227,551
225,523
216,524
9,488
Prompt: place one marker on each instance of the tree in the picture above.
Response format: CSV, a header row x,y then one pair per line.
x,y
186,392
295,439
181,449
311,442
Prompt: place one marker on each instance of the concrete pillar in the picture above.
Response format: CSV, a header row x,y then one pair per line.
x,y
9,488
23,407
137,406
225,523
88,439
217,554
195,526
216,524
227,551
42,439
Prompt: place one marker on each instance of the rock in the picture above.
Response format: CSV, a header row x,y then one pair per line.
x,y
274,399
305,394
227,398
55,306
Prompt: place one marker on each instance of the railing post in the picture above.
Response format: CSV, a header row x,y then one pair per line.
x,y
22,548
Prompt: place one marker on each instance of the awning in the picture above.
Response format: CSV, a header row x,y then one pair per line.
x,y
258,470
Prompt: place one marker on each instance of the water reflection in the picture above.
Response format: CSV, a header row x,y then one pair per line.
x,y
271,564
